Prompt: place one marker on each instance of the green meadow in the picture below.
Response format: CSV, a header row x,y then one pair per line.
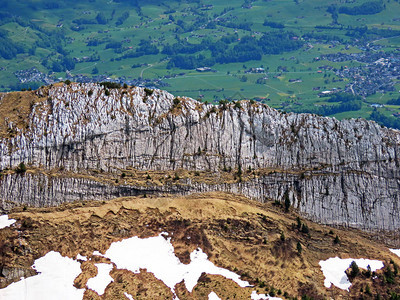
x,y
86,32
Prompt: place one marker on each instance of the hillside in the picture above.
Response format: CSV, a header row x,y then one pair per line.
x,y
257,241
87,141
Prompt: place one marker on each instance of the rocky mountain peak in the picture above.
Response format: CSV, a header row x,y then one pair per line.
x,y
336,172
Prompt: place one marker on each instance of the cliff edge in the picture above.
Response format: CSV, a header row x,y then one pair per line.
x,y
91,141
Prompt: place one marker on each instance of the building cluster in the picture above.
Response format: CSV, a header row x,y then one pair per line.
x,y
34,75
378,72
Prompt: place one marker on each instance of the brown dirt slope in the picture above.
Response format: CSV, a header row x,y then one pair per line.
x,y
258,241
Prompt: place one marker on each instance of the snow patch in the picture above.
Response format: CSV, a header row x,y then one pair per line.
x,y
395,251
128,296
54,281
80,257
213,296
102,279
334,270
5,222
156,254
255,296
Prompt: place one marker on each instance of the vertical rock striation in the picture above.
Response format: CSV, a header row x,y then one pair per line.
x,y
335,172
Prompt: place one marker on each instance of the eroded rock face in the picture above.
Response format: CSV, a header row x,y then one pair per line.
x,y
334,172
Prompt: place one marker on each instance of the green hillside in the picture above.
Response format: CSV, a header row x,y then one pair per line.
x,y
270,51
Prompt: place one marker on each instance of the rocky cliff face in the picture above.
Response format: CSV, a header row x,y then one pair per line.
x,y
334,172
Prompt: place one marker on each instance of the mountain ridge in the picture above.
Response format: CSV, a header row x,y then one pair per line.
x,y
333,172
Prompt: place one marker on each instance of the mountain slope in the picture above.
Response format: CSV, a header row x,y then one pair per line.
x,y
90,141
236,233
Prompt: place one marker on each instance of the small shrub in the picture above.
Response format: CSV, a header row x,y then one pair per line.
x,y
389,275
123,175
148,92
239,172
336,240
272,292
282,237
110,85
305,229
125,86
21,169
298,223
107,92
368,290
299,248
67,82
238,105
90,93
148,177
368,272
354,269
287,202
223,104
176,102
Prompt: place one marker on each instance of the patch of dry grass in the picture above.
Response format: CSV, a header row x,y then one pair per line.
x,y
236,233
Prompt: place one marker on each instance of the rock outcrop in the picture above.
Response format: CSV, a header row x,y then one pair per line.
x,y
335,172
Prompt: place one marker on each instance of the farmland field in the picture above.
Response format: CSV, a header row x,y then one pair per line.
x,y
283,53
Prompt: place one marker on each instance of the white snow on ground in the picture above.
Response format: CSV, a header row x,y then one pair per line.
x,y
255,296
334,270
55,281
213,296
128,296
156,254
102,279
5,222
395,251
199,264
80,257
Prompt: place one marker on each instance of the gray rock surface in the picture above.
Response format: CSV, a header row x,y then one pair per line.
x,y
334,172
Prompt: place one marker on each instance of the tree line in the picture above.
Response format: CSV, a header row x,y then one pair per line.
x,y
347,102
230,49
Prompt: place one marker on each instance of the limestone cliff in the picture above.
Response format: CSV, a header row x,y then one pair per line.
x,y
335,172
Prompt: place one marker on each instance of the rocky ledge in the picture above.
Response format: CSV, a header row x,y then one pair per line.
x,y
334,172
